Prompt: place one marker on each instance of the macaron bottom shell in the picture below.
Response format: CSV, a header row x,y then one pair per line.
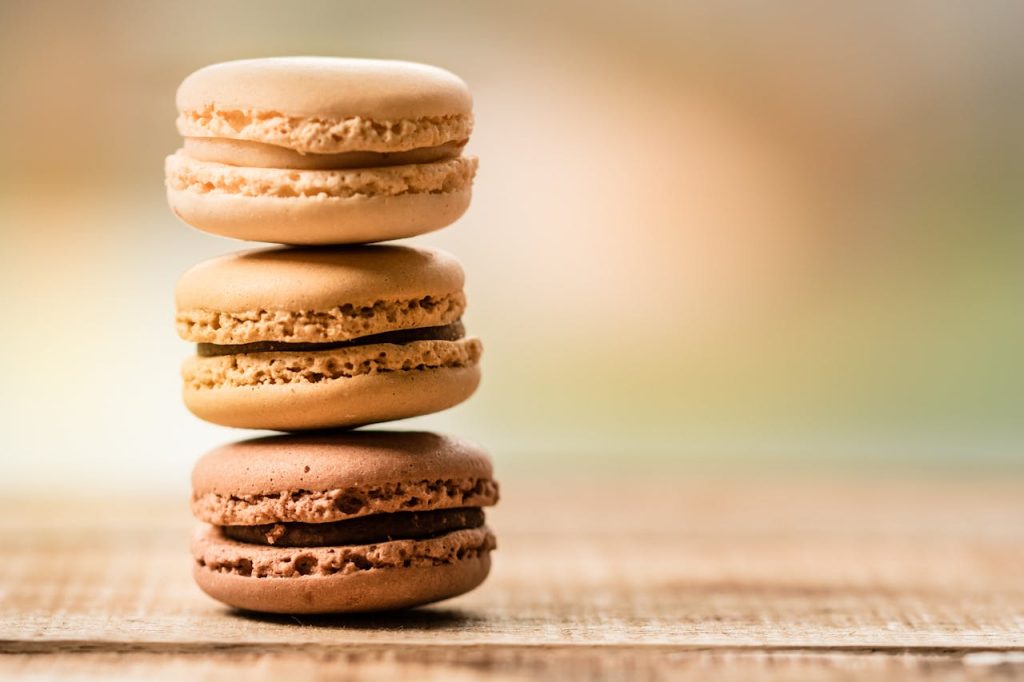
x,y
316,207
339,403
312,221
353,591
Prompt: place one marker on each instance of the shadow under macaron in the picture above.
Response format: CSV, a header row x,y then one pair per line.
x,y
423,619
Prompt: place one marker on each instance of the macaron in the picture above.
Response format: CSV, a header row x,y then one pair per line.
x,y
321,150
342,522
304,338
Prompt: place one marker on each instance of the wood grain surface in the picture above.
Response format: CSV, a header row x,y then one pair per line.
x,y
658,579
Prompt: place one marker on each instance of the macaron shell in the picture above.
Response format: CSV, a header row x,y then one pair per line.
x,y
343,322
326,104
296,280
332,476
313,221
311,207
329,87
294,580
186,173
300,505
319,462
342,403
378,590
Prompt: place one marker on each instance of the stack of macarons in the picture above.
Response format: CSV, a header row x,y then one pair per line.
x,y
327,333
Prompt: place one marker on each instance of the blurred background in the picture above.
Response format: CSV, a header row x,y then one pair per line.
x,y
727,238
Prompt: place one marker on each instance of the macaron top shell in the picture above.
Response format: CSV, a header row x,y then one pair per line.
x,y
325,477
318,295
314,279
329,461
326,104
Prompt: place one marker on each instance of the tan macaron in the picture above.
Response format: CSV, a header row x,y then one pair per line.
x,y
294,339
342,522
321,150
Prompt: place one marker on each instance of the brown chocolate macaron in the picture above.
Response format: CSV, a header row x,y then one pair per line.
x,y
342,522
294,339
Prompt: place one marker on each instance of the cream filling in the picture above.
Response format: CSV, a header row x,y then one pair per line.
x,y
282,368
262,155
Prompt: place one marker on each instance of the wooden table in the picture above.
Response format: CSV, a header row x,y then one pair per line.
x,y
778,579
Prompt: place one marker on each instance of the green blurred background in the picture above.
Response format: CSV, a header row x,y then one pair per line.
x,y
735,237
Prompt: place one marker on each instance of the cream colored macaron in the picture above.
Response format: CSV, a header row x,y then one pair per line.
x,y
321,150
294,339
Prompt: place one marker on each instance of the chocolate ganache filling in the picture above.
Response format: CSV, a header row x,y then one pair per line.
x,y
362,530
448,332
